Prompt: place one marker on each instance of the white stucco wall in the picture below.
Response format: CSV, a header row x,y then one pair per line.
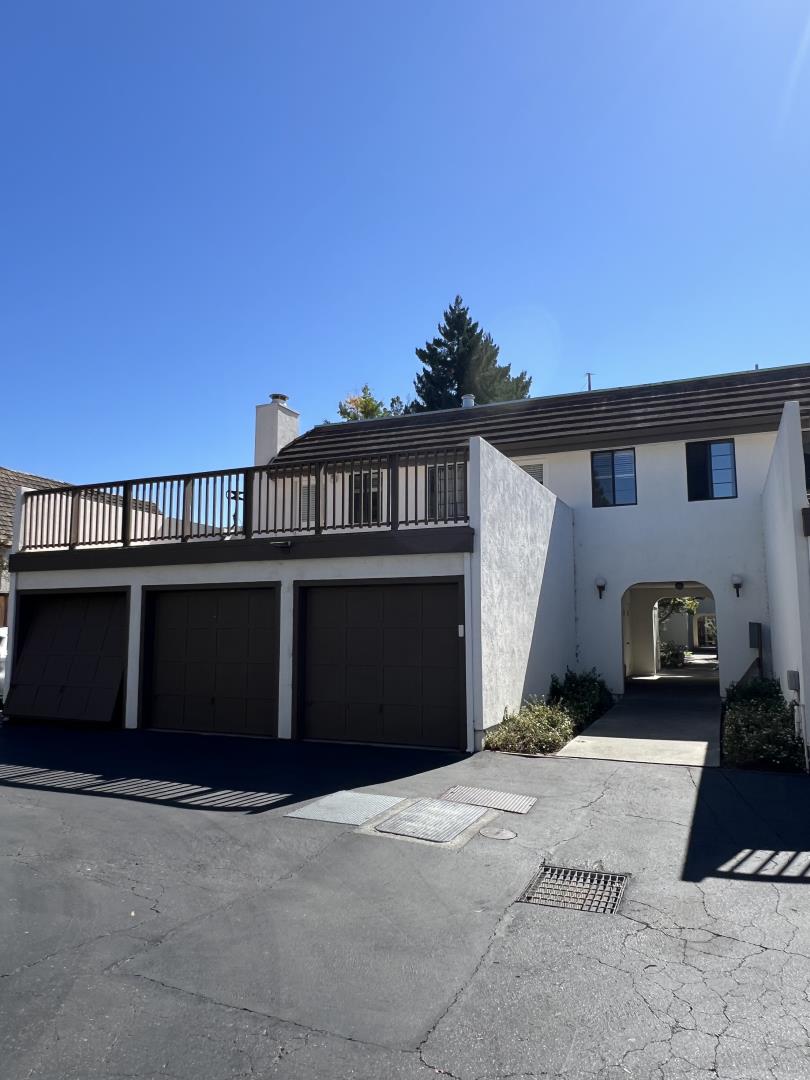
x,y
666,538
786,554
284,572
523,579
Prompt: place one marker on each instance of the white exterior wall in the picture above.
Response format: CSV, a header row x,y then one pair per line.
x,y
666,538
285,573
522,584
786,554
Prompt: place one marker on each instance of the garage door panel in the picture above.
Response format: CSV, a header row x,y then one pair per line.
x,y
328,643
402,647
73,702
364,722
230,680
261,680
326,607
403,606
212,685
261,644
440,606
327,682
100,701
197,712
441,722
326,720
440,647
198,678
83,670
382,672
231,643
363,683
439,686
200,644
202,608
57,667
364,645
364,607
233,611
169,677
403,724
172,642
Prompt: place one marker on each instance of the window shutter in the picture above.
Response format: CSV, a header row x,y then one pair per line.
x,y
535,471
698,481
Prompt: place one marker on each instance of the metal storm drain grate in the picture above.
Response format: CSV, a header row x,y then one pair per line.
x,y
582,890
495,800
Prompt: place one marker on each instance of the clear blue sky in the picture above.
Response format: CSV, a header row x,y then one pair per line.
x,y
206,202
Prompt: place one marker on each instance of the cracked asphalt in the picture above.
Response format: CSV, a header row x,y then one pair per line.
x,y
161,917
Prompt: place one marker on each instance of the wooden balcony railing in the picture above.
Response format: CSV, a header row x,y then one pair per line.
x,y
397,491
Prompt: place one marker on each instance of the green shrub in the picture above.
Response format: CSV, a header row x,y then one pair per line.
x,y
672,655
583,694
755,689
759,732
536,728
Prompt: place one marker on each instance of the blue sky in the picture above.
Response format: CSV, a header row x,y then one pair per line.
x,y
206,202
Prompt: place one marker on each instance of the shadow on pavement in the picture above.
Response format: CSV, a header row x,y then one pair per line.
x,y
197,772
750,826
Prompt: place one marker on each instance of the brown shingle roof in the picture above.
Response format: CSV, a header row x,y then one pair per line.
x,y
10,481
654,412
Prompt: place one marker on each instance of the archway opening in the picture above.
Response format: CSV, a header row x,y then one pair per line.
x,y
670,636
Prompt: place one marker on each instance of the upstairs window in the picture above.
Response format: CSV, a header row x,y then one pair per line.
x,y
365,497
613,477
711,472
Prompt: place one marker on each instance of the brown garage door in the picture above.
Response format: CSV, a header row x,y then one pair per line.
x,y
382,664
71,657
211,660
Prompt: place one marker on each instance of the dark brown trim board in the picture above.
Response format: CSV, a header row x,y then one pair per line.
x,y
299,600
146,628
446,540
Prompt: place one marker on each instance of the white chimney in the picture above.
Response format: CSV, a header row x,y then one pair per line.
x,y
467,401
276,425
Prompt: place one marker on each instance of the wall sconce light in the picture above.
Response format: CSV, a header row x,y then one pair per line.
x,y
601,585
737,583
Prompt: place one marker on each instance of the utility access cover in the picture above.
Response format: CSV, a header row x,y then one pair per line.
x,y
582,890
346,808
494,800
432,819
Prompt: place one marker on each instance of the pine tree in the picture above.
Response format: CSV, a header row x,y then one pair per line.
x,y
463,359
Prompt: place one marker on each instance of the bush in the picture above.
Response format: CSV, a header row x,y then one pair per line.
x,y
584,695
755,689
759,732
672,655
536,728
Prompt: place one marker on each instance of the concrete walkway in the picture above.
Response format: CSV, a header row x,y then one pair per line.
x,y
667,721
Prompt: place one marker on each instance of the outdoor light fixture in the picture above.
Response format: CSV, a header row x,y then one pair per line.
x,y
737,582
600,584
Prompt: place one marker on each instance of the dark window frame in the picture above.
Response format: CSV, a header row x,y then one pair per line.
x,y
708,477
596,490
447,501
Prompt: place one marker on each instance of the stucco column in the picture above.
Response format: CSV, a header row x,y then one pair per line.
x,y
133,658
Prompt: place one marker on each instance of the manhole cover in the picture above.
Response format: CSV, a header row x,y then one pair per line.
x,y
492,832
346,808
432,819
495,800
582,890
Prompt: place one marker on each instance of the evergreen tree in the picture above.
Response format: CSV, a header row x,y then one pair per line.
x,y
364,406
463,359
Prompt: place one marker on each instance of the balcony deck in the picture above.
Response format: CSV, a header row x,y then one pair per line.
x,y
409,501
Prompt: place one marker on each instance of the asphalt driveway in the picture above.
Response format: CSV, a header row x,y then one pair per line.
x,y
161,917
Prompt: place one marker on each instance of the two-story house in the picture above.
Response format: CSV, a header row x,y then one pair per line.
x,y
405,580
